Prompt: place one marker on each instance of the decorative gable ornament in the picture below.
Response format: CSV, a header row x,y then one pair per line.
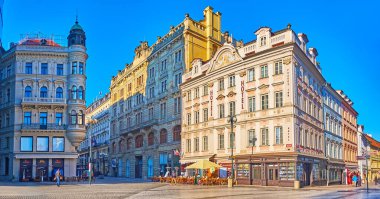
x,y
225,56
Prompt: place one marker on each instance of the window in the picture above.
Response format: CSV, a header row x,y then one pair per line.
x,y
205,90
151,92
231,81
74,92
44,92
163,66
150,113
43,120
26,143
278,99
80,93
178,56
81,68
151,139
151,73
220,141
74,66
232,108
188,118
163,86
188,95
264,137
44,69
205,115
163,110
80,117
177,105
59,69
58,118
28,68
205,143
27,117
58,144
177,133
221,84
252,137
188,145
28,91
263,41
196,144
43,143
177,79
264,71
163,136
139,141
73,117
196,93
279,135
221,110
196,117
251,104
264,102
251,75
59,93
278,68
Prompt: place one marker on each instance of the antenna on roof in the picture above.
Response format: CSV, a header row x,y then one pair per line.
x,y
76,17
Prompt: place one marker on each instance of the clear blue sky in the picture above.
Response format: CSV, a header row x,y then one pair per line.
x,y
346,34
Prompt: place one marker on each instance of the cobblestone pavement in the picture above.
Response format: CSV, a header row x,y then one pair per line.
x,y
123,188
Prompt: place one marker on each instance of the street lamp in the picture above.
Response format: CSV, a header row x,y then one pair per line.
x,y
232,119
91,122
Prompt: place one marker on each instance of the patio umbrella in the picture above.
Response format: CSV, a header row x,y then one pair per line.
x,y
203,164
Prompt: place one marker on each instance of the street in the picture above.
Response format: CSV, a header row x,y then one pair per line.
x,y
124,188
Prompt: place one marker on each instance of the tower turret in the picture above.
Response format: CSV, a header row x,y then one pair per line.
x,y
77,35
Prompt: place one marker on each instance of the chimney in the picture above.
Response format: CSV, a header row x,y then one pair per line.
x,y
304,40
313,53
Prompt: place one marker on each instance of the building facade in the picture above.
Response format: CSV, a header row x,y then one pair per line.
x,y
373,152
332,110
350,136
273,85
98,135
362,151
42,104
146,101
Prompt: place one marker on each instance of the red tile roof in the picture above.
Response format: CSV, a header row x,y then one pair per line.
x,y
372,141
38,42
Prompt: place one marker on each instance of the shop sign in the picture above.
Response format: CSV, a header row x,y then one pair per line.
x,y
288,145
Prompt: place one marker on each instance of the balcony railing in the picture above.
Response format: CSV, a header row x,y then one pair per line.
x,y
38,126
139,125
43,100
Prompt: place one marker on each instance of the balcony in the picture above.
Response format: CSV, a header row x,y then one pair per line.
x,y
43,127
139,126
76,127
41,100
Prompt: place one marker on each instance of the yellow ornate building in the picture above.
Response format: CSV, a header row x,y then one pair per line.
x,y
146,102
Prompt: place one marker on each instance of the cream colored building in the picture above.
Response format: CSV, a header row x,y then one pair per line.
x,y
42,106
273,86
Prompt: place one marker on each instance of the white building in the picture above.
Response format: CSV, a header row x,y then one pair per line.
x,y
42,106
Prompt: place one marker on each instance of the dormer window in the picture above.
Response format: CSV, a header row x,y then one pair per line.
x,y
195,69
263,41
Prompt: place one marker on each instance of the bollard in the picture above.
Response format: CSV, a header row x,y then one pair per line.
x,y
229,182
297,184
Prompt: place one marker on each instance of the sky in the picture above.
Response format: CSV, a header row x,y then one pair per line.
x,y
345,33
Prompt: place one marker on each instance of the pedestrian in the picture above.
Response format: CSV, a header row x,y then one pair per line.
x,y
58,177
354,179
375,179
359,180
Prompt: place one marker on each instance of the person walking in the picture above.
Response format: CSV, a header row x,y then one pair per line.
x,y
355,179
58,177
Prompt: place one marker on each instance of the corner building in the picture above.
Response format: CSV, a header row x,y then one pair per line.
x,y
273,85
146,102
42,106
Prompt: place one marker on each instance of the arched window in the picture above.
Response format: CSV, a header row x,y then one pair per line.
x,y
177,133
163,136
120,146
43,92
129,143
139,141
80,92
74,92
80,117
73,117
151,139
28,91
59,93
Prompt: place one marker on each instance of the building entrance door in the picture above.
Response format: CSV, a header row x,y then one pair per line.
x,y
272,174
306,174
138,167
26,166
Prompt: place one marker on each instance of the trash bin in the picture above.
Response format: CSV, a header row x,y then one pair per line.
x,y
297,184
229,182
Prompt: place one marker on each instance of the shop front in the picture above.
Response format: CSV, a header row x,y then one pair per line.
x,y
42,169
283,170
26,167
58,164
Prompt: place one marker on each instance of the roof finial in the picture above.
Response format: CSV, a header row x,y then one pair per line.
x,y
76,17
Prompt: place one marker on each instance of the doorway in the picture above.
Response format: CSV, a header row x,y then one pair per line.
x,y
306,174
138,167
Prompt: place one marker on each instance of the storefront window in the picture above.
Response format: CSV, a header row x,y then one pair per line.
x,y
58,144
26,144
315,171
287,171
243,171
256,171
299,171
42,143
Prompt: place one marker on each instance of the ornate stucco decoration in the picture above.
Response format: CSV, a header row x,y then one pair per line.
x,y
277,83
225,56
263,86
196,105
206,102
211,84
242,74
231,94
287,60
220,97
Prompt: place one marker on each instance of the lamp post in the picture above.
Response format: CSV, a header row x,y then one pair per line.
x,y
232,119
91,122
